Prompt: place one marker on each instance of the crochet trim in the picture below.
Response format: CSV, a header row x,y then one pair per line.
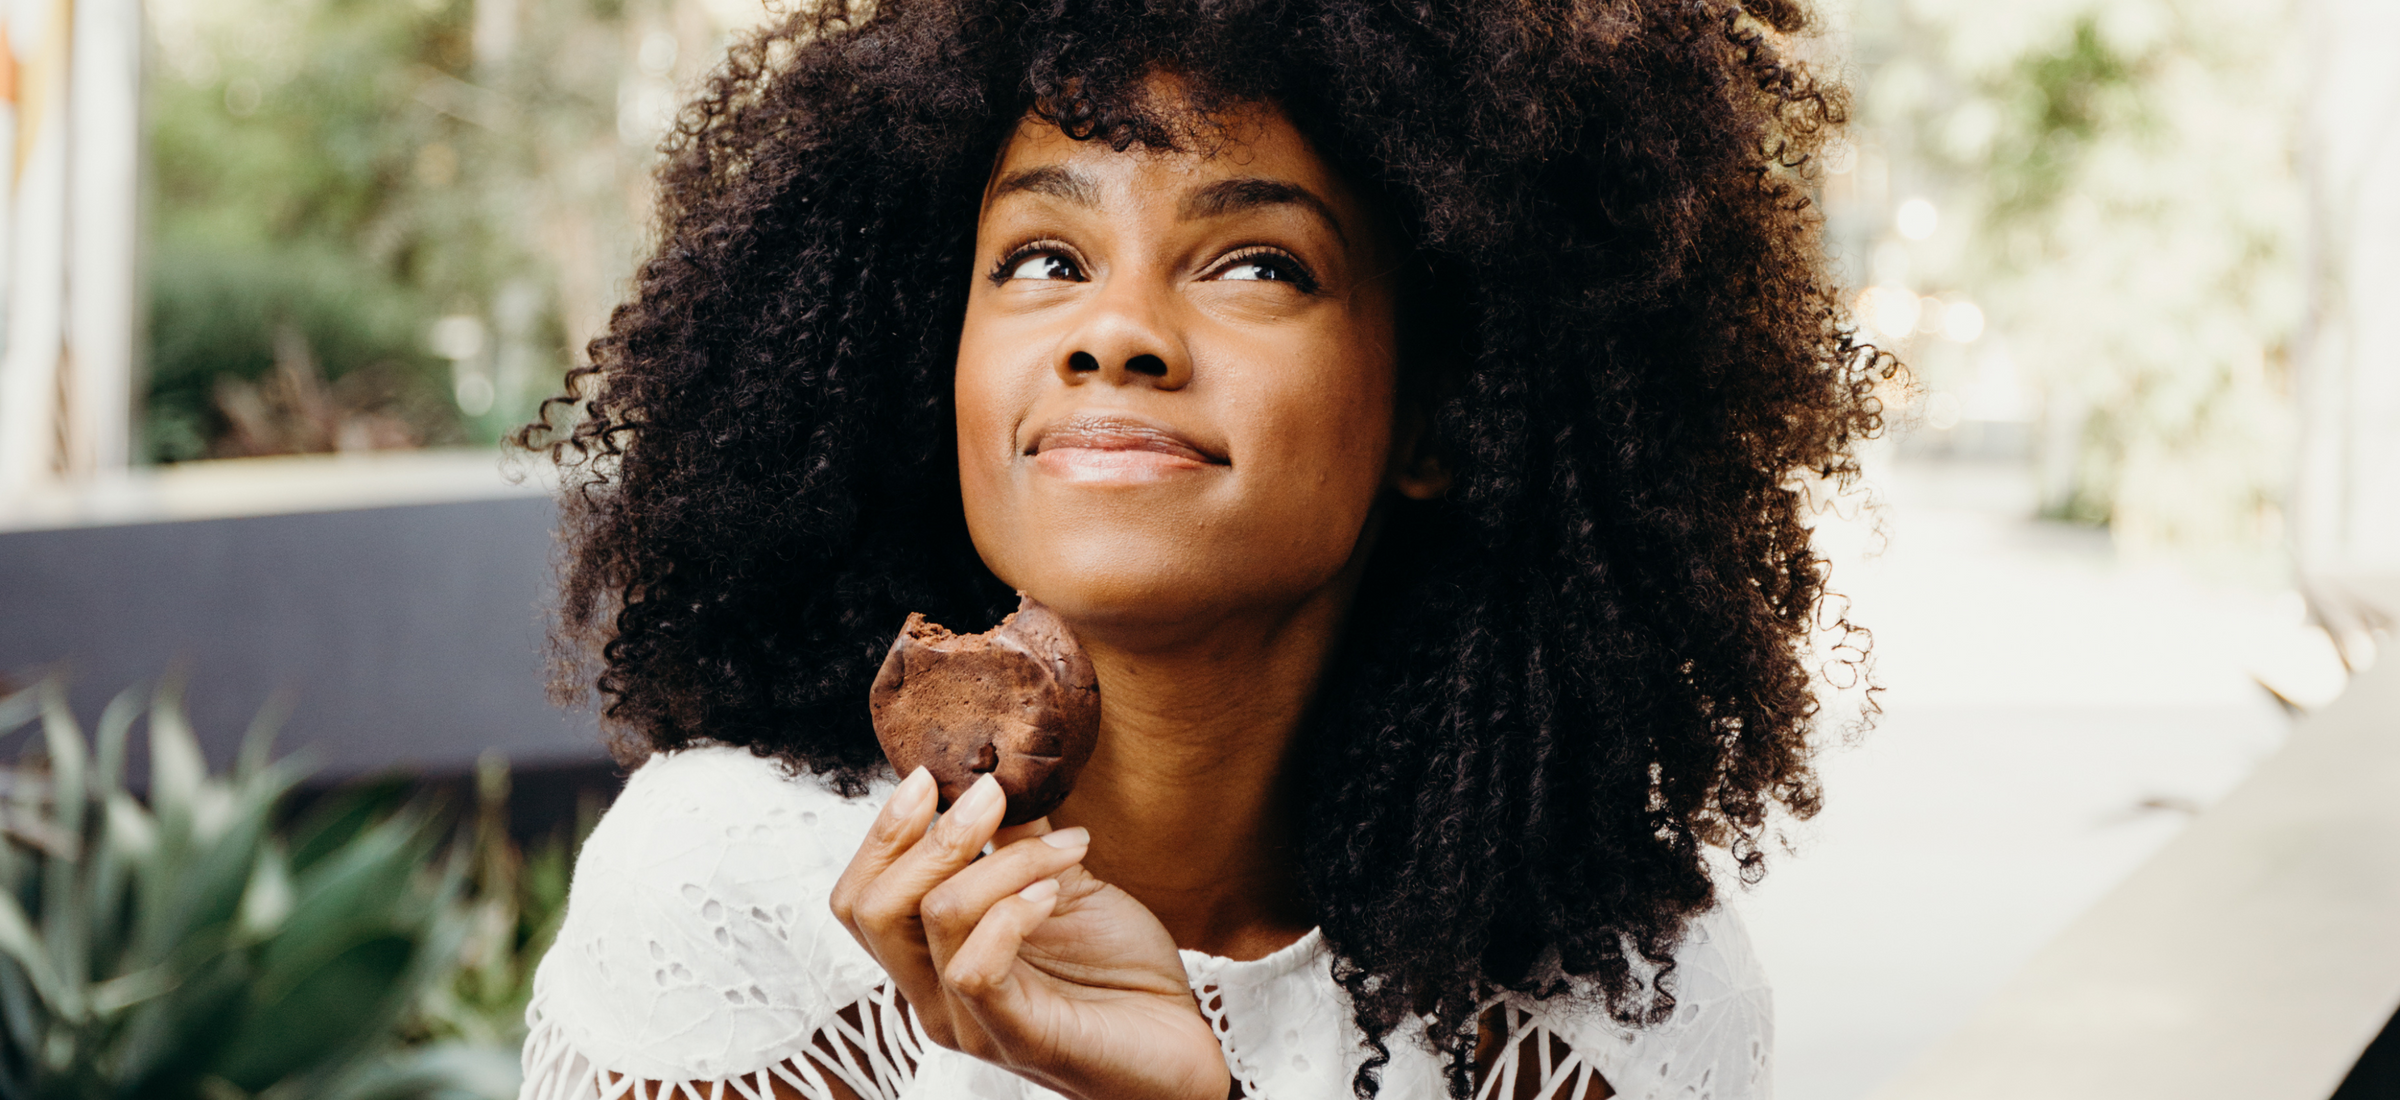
x,y
873,1047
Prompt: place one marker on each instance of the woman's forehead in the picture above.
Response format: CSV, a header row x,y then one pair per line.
x,y
1230,137
1250,154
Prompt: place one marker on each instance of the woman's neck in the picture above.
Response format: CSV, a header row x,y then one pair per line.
x,y
1188,794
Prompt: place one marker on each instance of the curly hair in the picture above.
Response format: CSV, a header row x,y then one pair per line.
x,y
1560,682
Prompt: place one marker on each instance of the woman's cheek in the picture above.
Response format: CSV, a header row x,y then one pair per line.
x,y
1329,461
988,412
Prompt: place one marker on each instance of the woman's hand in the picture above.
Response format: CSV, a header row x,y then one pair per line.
x,y
1022,958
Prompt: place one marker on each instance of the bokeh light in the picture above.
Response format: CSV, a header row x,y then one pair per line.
x,y
1917,219
1962,322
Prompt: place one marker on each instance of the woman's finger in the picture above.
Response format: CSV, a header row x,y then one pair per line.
x,y
983,976
1015,833
952,911
896,829
889,899
886,906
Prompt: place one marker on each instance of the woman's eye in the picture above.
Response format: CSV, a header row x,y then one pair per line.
x,y
1044,265
1267,268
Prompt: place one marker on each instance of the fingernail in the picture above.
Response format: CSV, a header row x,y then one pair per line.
x,y
912,791
980,797
1044,890
1077,837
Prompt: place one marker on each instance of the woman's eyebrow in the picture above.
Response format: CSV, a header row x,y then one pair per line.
x,y
1054,180
1249,192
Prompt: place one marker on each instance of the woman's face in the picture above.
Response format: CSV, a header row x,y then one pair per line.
x,y
1176,379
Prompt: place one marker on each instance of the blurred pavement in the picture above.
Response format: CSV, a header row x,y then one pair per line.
x,y
2051,718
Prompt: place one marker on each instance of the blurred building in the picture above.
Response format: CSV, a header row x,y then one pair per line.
x,y
2346,498
73,136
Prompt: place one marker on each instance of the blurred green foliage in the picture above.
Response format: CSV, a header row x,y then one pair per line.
x,y
192,945
331,177
214,316
2119,192
284,199
513,908
2062,97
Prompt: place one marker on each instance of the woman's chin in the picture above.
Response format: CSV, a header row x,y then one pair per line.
x,y
1131,586
1152,614
1125,611
1119,608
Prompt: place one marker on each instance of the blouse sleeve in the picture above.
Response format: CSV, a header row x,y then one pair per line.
x,y
1717,1045
698,946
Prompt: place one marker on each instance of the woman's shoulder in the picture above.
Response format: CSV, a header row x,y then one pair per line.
x,y
697,940
718,824
1718,1042
723,787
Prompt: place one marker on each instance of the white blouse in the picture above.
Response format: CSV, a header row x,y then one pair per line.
x,y
698,949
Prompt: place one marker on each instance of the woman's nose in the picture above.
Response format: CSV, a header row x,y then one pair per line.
x,y
1125,340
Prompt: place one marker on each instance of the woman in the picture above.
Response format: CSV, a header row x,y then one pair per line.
x,y
1403,404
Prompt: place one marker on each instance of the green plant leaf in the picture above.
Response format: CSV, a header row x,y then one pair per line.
x,y
202,888
65,927
128,850
176,767
341,1004
116,722
268,898
19,707
127,990
258,745
131,829
20,1014
63,740
168,1042
449,1071
19,942
105,892
363,887
341,816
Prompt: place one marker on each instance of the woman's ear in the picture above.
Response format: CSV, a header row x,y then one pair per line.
x,y
1417,471
1424,478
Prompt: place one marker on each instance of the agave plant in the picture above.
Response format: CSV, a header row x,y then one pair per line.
x,y
179,946
514,902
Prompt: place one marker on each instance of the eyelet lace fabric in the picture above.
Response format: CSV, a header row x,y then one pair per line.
x,y
699,961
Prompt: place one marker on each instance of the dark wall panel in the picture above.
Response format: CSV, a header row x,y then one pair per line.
x,y
409,637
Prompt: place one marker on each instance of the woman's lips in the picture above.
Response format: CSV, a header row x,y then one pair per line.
x,y
1116,448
